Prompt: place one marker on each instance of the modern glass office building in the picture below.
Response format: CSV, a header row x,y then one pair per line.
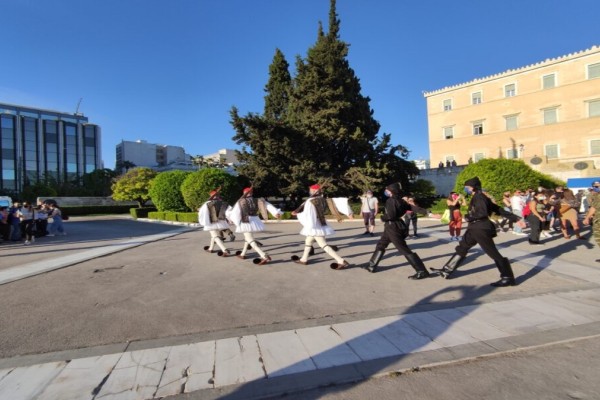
x,y
38,144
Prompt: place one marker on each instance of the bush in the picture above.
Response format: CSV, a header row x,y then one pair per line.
x,y
165,191
159,215
500,175
188,217
141,212
197,186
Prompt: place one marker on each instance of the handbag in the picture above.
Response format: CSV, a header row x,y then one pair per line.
x,y
445,217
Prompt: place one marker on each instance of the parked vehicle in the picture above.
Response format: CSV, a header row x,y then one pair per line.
x,y
5,201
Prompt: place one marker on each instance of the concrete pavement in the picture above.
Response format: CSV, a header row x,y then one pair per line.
x,y
469,321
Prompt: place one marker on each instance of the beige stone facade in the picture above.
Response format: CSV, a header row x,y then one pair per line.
x,y
547,114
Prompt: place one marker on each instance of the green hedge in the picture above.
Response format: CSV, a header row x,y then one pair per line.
x,y
141,212
190,217
89,210
160,215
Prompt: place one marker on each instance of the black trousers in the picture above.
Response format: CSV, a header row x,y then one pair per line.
x,y
536,227
482,237
394,232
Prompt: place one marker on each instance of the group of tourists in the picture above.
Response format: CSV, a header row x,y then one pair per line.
x,y
543,211
24,222
399,210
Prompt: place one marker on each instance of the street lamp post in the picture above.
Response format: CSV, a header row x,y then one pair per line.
x,y
521,148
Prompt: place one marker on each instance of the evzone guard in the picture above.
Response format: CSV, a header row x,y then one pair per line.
x,y
244,216
211,216
311,214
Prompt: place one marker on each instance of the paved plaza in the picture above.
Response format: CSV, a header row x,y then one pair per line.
x,y
123,309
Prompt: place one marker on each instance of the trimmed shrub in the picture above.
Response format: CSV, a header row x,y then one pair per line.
x,y
187,217
141,212
159,215
165,191
499,175
197,186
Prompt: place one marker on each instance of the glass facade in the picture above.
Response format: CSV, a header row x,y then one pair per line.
x,y
43,145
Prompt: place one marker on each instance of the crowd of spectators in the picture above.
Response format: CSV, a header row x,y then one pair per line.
x,y
545,212
24,222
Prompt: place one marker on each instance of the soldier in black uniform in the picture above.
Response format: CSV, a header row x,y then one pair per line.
x,y
481,231
395,231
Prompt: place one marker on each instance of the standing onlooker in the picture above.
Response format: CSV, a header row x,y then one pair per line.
x,y
4,225
536,217
27,217
368,209
517,204
41,221
57,222
568,214
594,205
506,205
411,215
14,222
454,202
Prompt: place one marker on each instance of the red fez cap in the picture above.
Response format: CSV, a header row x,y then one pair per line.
x,y
248,189
316,186
213,193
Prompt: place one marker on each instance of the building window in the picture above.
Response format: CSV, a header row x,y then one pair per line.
x,y
478,156
476,98
478,128
551,151
594,108
50,134
511,122
550,115
8,145
448,132
595,147
510,90
30,149
89,148
593,71
512,153
70,151
447,105
549,81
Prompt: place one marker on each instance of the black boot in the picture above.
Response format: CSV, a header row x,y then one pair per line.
x,y
451,265
371,266
507,278
417,264
311,252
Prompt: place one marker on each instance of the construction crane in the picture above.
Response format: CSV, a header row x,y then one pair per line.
x,y
78,104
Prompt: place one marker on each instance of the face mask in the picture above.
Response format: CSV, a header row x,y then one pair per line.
x,y
542,198
468,191
369,196
387,193
596,189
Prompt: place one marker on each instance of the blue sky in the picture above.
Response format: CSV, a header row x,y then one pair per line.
x,y
169,71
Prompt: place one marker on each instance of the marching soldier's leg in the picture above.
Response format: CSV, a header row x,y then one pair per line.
x,y
308,251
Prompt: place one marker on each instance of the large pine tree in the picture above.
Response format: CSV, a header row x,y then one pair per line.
x,y
318,127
